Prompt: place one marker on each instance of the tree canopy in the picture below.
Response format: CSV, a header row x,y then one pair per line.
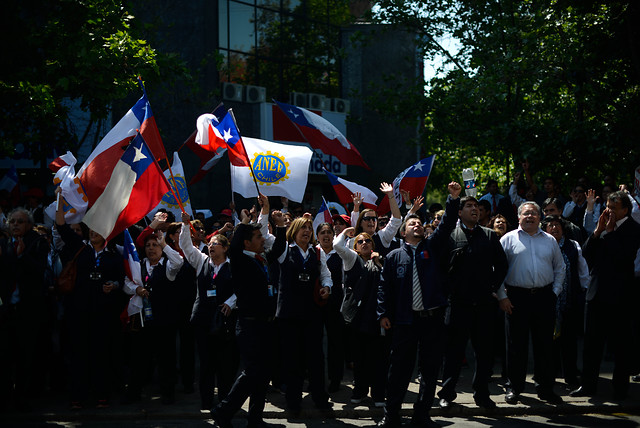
x,y
555,82
58,52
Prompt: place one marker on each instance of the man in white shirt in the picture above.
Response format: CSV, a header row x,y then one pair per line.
x,y
528,297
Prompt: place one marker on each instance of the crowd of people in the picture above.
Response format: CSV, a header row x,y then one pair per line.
x,y
252,295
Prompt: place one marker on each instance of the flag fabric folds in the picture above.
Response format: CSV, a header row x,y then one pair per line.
x,y
106,155
213,135
345,189
322,135
413,179
279,170
133,272
207,157
134,187
323,216
72,197
179,185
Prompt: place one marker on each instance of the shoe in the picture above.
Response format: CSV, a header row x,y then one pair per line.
x,y
550,397
334,386
357,397
379,404
324,405
445,404
635,378
511,397
220,421
485,403
388,422
582,392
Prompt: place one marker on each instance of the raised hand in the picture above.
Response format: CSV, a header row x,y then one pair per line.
x,y
417,204
387,189
454,189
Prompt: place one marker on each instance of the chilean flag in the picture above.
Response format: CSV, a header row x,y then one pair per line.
x,y
135,186
323,216
133,271
213,135
412,179
207,157
322,135
345,189
98,166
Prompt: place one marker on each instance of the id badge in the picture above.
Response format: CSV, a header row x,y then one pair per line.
x,y
212,293
270,290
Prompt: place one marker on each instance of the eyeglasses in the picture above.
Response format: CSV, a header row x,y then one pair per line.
x,y
369,218
364,241
438,217
530,214
213,244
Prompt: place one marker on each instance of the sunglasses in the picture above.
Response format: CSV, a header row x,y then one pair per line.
x,y
369,218
364,241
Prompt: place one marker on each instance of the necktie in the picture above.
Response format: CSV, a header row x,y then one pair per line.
x,y
417,290
495,206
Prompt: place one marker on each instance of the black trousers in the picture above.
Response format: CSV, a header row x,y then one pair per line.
x,y
301,344
565,347
336,341
608,323
466,321
219,360
370,364
424,338
187,348
533,313
254,337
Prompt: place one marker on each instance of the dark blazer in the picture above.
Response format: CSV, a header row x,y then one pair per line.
x,y
611,264
478,265
205,306
251,283
395,294
295,297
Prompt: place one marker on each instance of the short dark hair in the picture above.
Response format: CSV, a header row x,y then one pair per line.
x,y
552,201
623,198
406,219
485,204
551,218
490,182
243,232
466,199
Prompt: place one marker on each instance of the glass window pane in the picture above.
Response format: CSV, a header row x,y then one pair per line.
x,y
242,27
223,25
268,26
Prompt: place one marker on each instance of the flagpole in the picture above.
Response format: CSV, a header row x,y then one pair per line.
x,y
245,151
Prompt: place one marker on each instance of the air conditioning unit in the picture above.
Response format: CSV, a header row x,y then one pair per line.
x,y
298,99
340,105
231,91
319,102
255,94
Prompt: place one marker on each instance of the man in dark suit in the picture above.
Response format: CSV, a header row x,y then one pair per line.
x,y
477,268
256,301
411,305
613,255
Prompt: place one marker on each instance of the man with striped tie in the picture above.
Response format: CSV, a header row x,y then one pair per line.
x,y
411,306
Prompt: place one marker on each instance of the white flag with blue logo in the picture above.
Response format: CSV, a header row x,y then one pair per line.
x,y
179,185
279,170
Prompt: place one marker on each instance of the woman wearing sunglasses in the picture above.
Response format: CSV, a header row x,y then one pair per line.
x,y
362,268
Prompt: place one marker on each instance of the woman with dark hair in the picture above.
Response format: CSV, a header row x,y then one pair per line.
x,y
367,221
157,335
370,351
333,321
214,315
92,311
499,224
299,316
